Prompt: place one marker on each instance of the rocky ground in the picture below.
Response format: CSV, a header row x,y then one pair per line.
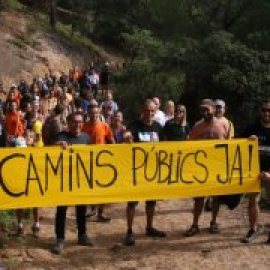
x,y
29,50
205,251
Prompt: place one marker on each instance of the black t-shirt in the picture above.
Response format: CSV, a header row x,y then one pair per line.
x,y
71,139
144,133
263,135
175,132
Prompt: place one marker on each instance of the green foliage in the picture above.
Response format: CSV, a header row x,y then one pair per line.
x,y
222,67
10,5
140,44
76,37
140,80
29,38
6,218
114,17
186,49
144,75
77,14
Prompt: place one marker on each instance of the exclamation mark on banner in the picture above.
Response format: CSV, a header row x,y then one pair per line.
x,y
250,150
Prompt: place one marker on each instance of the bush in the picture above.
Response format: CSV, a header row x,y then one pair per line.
x,y
10,5
6,218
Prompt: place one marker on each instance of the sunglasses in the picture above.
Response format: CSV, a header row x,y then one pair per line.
x,y
264,110
180,111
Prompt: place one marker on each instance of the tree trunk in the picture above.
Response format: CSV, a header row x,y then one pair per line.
x,y
53,13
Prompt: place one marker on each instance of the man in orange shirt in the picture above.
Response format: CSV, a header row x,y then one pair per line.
x,y
99,133
14,123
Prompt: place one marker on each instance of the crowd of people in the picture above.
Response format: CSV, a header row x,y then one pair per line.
x,y
79,108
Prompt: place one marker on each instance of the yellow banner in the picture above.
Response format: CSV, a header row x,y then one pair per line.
x,y
50,176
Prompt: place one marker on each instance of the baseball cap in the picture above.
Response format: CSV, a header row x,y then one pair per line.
x,y
207,102
219,102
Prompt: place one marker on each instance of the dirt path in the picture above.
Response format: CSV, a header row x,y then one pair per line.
x,y
204,251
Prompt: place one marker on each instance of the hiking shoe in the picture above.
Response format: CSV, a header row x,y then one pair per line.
x,y
214,229
103,219
59,246
130,239
193,230
84,240
92,213
20,231
155,232
35,230
250,237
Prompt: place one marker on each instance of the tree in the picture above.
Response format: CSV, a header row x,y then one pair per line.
x,y
52,13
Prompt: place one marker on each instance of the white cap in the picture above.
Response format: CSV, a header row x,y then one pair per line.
x,y
219,102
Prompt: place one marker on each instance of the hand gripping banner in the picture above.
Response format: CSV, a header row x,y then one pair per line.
x,y
51,176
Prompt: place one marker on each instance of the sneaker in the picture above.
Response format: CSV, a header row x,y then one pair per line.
x,y
92,213
130,239
20,230
193,230
155,232
35,230
59,246
214,229
103,219
250,237
84,240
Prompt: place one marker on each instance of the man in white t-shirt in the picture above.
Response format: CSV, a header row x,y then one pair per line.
x,y
94,82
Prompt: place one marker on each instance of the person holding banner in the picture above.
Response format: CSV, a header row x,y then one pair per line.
x,y
74,135
99,133
261,131
213,129
143,130
265,176
220,115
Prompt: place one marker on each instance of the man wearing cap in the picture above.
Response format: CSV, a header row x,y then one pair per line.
x,y
220,112
209,128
